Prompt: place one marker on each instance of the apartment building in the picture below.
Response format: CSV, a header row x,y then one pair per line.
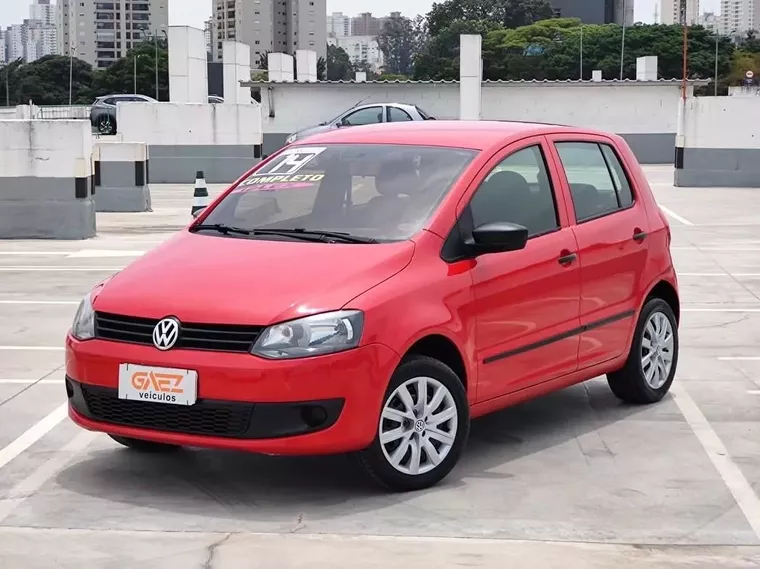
x,y
737,17
596,11
671,12
270,26
102,32
339,25
42,11
361,49
14,42
3,58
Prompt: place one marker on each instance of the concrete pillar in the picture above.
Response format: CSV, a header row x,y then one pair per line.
x,y
121,176
306,66
236,63
361,76
46,176
470,76
188,66
596,75
280,67
646,68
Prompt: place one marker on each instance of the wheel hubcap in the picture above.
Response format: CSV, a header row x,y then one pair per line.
x,y
657,347
418,425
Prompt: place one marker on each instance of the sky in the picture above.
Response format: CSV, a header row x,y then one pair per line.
x,y
195,12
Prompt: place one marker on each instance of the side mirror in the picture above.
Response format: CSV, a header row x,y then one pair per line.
x,y
498,237
198,212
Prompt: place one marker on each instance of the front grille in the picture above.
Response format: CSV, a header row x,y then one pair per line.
x,y
204,418
212,337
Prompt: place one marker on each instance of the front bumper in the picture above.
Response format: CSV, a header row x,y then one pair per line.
x,y
322,405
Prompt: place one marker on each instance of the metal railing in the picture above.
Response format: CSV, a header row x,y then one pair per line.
x,y
80,112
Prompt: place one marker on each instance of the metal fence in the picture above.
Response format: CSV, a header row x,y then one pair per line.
x,y
80,112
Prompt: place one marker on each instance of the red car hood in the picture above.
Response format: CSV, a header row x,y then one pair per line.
x,y
207,278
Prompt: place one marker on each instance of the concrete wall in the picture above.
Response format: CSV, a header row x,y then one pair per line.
x,y
721,143
222,140
46,172
188,65
645,113
121,176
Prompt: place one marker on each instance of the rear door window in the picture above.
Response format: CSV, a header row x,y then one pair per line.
x,y
398,115
597,187
370,115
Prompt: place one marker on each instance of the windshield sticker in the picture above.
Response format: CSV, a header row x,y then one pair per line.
x,y
292,160
283,182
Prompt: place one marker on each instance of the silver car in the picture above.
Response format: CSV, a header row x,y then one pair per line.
x,y
103,110
370,113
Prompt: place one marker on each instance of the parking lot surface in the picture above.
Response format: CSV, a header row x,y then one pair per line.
x,y
575,479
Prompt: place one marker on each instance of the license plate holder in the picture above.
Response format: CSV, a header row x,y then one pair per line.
x,y
152,384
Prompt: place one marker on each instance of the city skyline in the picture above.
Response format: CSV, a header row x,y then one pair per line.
x,y
196,12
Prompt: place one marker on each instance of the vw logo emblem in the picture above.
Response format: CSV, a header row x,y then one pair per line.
x,y
166,333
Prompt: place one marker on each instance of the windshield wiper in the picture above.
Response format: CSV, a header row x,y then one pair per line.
x,y
316,235
222,228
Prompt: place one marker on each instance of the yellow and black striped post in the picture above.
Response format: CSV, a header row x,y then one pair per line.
x,y
200,195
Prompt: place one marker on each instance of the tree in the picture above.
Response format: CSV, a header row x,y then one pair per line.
x,y
321,69
439,57
119,77
506,13
338,63
46,81
399,40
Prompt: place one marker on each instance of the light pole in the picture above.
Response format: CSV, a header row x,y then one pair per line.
x,y
580,75
717,40
71,72
156,62
622,41
7,85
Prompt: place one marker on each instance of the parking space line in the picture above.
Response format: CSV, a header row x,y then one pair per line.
x,y
753,392
716,451
33,434
675,216
31,348
21,268
31,381
32,483
729,275
739,358
41,302
706,249
720,309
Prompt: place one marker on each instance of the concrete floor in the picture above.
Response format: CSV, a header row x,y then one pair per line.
x,y
575,479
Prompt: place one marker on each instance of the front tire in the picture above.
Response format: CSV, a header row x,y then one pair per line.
x,y
419,439
144,446
650,368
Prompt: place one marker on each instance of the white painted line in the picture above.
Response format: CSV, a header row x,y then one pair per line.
x,y
732,476
730,249
37,479
754,392
747,275
58,268
31,348
31,381
36,253
42,302
727,310
103,253
739,358
675,216
35,433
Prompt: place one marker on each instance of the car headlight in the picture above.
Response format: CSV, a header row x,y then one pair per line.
x,y
291,139
311,336
83,327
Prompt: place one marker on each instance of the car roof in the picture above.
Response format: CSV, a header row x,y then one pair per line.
x,y
476,135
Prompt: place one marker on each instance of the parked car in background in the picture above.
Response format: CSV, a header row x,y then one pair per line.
x,y
215,99
371,113
103,111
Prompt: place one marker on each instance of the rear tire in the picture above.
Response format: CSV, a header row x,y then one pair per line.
x,y
418,441
144,446
651,366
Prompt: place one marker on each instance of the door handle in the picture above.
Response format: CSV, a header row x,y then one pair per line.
x,y
639,235
567,258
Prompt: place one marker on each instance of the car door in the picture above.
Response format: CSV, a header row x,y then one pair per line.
x,y
611,228
526,302
366,115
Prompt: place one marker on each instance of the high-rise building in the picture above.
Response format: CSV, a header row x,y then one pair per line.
x,y
42,11
709,21
208,34
339,25
671,12
3,58
102,32
14,42
361,49
39,40
738,16
595,11
270,26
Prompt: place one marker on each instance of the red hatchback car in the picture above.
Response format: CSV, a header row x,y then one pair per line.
x,y
373,289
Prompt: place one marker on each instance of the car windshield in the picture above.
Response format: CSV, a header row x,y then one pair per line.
x,y
383,192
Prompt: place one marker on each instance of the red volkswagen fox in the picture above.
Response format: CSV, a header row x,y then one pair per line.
x,y
373,289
